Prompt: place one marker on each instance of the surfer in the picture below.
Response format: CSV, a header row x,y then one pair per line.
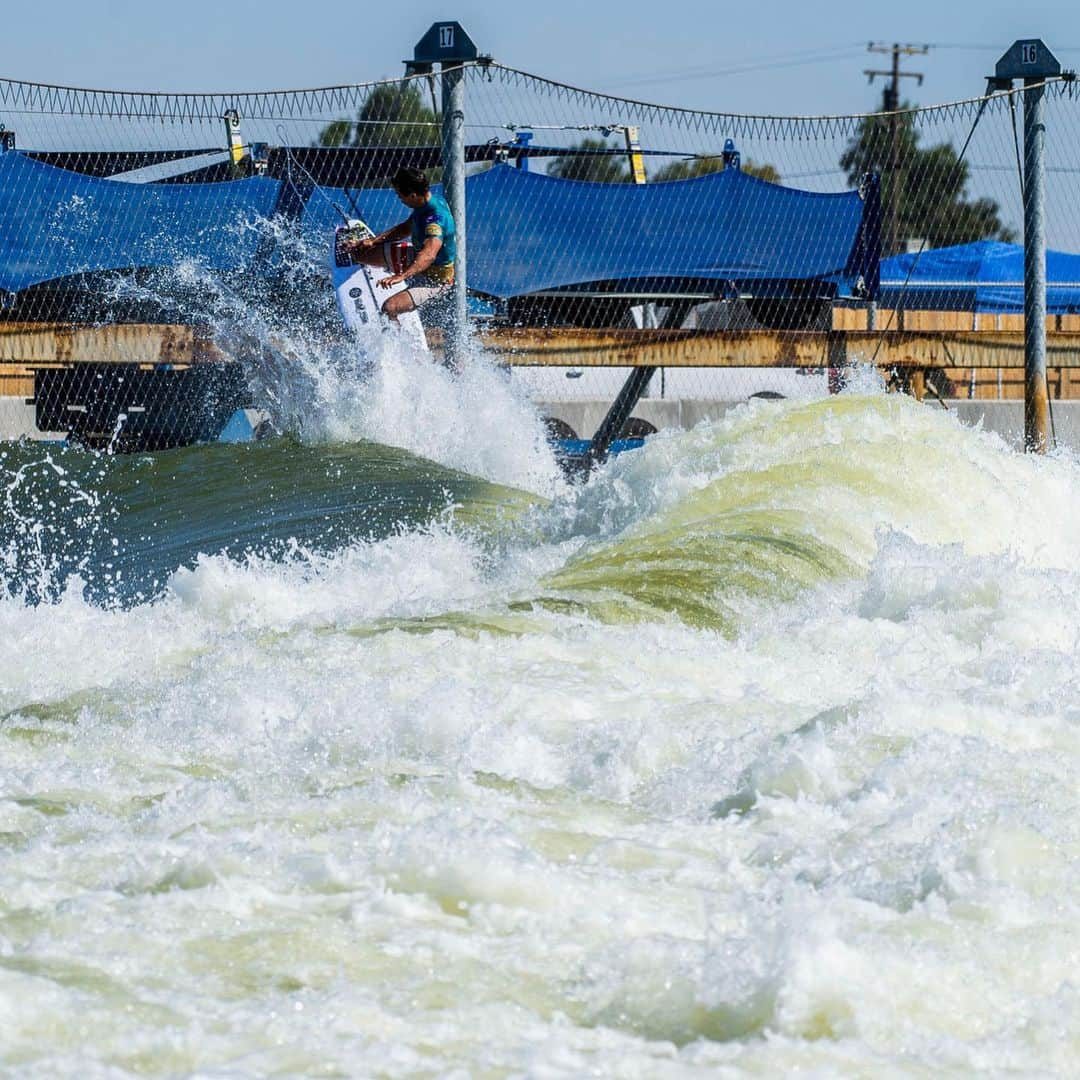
x,y
430,275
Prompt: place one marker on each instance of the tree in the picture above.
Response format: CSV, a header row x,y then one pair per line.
x,y
600,168
336,133
612,168
932,199
687,170
392,115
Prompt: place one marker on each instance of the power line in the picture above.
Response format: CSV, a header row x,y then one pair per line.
x,y
891,95
801,58
817,55
998,48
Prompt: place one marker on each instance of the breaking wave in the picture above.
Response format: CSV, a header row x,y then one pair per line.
x,y
758,752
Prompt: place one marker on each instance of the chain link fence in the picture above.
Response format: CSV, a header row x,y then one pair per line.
x,y
730,252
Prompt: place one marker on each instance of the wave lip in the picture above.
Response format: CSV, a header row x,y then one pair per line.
x,y
775,499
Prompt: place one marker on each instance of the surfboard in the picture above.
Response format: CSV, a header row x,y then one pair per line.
x,y
359,299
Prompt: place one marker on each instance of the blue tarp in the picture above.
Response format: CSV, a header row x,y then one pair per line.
x,y
54,223
984,276
526,231
529,232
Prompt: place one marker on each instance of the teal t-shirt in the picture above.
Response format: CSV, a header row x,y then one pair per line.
x,y
434,219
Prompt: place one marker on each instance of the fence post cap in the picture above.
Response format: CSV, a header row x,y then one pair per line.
x,y
445,43
1028,58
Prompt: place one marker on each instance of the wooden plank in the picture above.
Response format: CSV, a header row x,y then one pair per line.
x,y
17,386
938,321
847,318
38,343
963,379
571,347
918,384
24,347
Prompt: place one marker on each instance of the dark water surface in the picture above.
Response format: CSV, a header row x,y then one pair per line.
x,y
124,523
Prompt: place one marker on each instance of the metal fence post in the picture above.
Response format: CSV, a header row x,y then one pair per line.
x,y
446,43
453,156
1036,401
1033,62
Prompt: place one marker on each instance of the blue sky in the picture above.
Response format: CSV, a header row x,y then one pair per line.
x,y
769,57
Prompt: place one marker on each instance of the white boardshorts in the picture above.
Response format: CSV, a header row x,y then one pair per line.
x,y
423,289
426,291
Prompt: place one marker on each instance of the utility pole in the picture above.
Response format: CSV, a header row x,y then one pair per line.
x,y
891,104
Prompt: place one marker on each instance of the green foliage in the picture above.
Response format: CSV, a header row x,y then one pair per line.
x,y
615,168
393,115
603,169
932,186
337,133
686,170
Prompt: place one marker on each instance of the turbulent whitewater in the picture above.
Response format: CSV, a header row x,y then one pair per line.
x,y
349,755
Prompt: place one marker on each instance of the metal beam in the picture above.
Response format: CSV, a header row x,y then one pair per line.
x,y
168,170
1036,398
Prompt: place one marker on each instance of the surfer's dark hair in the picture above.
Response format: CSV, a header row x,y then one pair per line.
x,y
410,182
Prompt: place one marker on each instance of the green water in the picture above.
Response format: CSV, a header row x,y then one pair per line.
x,y
125,523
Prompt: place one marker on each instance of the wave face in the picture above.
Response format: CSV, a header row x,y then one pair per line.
x,y
757,753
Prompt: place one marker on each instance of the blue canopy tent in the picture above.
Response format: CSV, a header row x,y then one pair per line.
x,y
526,231
986,276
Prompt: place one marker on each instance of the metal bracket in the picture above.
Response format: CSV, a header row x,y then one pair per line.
x,y
234,139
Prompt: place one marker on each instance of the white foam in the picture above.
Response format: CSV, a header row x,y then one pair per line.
x,y
476,421
319,814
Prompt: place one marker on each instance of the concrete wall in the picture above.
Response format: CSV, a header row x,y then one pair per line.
x,y
1007,419
18,420
584,416
1004,417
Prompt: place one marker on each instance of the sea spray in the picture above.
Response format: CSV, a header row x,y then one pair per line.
x,y
54,522
323,385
